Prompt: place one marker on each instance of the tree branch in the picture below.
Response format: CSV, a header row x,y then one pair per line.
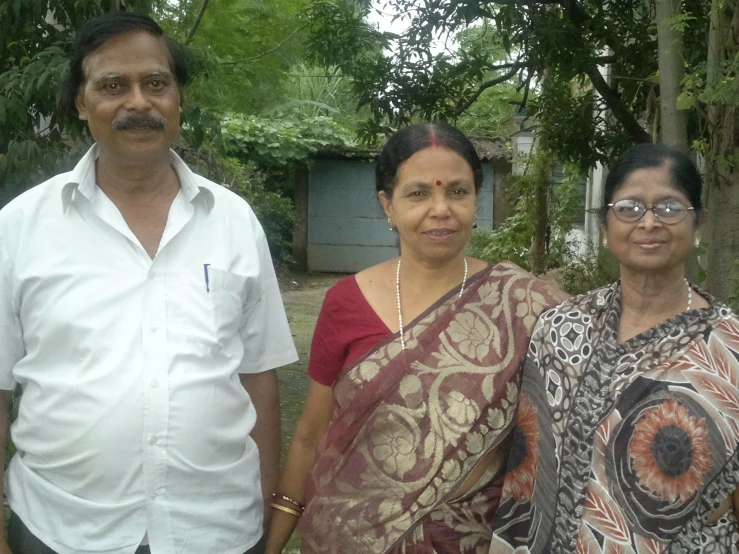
x,y
603,60
514,67
462,106
617,107
268,51
574,12
526,93
196,24
598,60
521,2
511,65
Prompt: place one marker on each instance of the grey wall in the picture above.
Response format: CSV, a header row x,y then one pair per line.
x,y
347,229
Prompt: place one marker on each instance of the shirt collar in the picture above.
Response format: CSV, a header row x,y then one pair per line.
x,y
82,181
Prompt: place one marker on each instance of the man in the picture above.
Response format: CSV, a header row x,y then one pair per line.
x,y
140,313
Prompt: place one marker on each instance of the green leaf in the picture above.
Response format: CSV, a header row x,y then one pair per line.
x,y
685,101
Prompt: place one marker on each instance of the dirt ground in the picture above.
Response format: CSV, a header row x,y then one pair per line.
x,y
303,295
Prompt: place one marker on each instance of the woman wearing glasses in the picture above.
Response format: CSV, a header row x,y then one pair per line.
x,y
628,423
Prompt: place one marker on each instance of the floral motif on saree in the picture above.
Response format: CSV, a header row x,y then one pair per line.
x,y
412,425
624,448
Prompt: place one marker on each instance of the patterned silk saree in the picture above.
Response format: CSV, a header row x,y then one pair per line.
x,y
411,426
624,448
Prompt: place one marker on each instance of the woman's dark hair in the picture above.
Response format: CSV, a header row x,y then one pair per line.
x,y
406,142
95,32
683,173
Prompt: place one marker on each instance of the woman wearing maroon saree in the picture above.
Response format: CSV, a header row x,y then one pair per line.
x,y
414,374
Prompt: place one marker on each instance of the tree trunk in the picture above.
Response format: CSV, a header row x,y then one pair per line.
x,y
541,213
722,167
674,122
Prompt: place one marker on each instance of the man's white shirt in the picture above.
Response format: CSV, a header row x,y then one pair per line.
x,y
133,418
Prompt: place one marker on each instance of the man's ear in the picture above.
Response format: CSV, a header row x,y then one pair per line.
x,y
79,102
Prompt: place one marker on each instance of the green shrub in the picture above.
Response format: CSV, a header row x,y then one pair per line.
x,y
545,208
511,241
587,273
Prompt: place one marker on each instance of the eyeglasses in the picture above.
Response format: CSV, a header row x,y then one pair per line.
x,y
631,211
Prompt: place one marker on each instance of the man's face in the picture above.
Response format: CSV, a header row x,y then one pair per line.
x,y
130,98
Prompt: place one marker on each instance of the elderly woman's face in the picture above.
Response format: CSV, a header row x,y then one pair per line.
x,y
649,245
433,204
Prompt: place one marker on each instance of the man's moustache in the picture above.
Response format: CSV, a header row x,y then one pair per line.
x,y
139,122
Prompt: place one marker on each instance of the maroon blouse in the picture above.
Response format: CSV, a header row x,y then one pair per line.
x,y
347,328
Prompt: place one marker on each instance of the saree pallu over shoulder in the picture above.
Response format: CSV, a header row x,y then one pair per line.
x,y
411,425
624,447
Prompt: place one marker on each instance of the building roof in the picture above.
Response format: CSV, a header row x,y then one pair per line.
x,y
488,148
491,148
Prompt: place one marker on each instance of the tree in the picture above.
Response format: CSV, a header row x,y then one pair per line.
x,y
547,201
583,117
240,52
37,135
521,40
674,122
244,48
718,100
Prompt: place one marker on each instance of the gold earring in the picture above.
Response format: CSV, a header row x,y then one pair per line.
x,y
605,242
697,241
390,222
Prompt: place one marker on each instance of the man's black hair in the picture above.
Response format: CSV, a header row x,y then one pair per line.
x,y
95,32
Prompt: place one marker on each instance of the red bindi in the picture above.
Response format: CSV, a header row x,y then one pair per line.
x,y
438,183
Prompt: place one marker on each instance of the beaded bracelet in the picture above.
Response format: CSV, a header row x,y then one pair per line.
x,y
280,496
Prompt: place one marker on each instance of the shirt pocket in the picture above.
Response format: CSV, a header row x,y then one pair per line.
x,y
211,314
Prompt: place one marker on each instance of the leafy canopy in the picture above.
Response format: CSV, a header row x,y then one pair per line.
x,y
550,47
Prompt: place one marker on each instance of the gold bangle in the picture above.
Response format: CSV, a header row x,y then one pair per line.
x,y
286,509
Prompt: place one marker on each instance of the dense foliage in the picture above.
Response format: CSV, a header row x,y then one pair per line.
x,y
585,70
245,122
280,140
273,210
534,237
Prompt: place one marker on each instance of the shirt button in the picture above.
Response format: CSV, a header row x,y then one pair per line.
x,y
154,384
152,276
152,439
153,328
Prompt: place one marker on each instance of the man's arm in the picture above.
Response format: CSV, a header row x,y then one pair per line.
x,y
264,392
12,349
6,396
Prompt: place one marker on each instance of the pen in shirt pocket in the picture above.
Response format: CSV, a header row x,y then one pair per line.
x,y
207,280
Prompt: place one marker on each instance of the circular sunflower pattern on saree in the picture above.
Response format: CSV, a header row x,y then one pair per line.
x,y
669,452
523,458
660,457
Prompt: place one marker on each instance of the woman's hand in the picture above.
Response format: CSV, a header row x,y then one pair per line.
x,y
319,407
